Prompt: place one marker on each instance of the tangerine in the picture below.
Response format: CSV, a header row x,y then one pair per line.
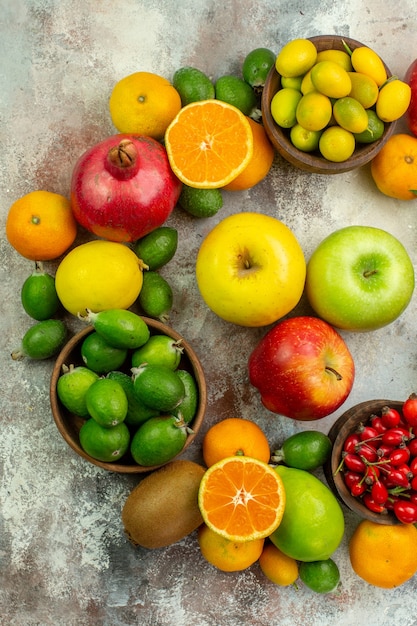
x,y
235,437
242,498
394,169
227,555
383,555
277,566
41,226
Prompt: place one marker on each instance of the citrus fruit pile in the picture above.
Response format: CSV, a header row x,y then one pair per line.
x,y
332,100
148,414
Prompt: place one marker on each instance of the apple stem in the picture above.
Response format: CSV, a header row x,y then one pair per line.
x,y
369,273
335,372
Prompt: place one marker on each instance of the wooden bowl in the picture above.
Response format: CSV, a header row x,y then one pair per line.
x,y
344,426
312,161
69,424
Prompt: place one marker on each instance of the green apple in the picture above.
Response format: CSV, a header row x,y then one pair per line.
x,y
359,278
250,269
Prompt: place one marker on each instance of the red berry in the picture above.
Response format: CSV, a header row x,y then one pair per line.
x,y
395,436
354,462
358,489
351,442
399,456
370,503
413,466
412,446
376,422
410,410
406,511
379,492
367,452
390,417
351,478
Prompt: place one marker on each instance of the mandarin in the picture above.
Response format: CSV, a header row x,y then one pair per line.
x,y
40,225
226,555
394,169
235,436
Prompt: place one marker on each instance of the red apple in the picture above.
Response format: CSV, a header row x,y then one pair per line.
x,y
411,79
302,368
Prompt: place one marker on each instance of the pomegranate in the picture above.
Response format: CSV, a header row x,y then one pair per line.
x,y
123,187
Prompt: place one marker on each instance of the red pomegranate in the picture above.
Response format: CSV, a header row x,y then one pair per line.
x,y
123,188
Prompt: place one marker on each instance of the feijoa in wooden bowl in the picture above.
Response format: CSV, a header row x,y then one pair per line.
x,y
313,161
69,425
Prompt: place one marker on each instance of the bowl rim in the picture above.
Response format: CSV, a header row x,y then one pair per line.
x,y
338,432
314,162
58,411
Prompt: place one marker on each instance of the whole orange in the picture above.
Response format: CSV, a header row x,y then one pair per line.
x,y
260,163
394,169
235,436
41,226
382,555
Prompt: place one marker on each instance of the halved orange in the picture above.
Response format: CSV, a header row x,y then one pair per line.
x,y
241,498
209,143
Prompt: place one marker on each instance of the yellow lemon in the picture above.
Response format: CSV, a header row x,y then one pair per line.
x,y
366,61
350,114
296,58
306,83
393,100
99,275
314,111
364,89
337,56
331,79
284,105
336,144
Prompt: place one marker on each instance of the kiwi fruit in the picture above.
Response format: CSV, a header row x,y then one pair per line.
x,y
163,507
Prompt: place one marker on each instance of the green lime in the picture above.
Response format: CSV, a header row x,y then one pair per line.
x,y
158,247
137,411
306,450
374,131
200,202
237,92
320,576
158,440
156,296
99,356
159,350
256,66
284,106
72,387
158,387
192,85
350,115
104,444
42,340
303,139
313,525
188,407
38,295
107,402
119,328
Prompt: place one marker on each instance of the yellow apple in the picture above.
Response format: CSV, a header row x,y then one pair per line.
x,y
250,269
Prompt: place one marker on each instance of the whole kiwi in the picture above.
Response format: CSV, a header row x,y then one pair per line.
x,y
163,507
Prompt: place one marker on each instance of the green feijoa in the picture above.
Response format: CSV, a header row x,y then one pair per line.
x,y
137,411
99,356
158,440
38,295
107,402
158,387
42,341
120,328
188,407
104,444
306,450
156,296
192,85
72,387
158,247
159,350
256,66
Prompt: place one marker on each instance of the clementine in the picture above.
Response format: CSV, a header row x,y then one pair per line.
x,y
41,226
235,436
226,555
394,169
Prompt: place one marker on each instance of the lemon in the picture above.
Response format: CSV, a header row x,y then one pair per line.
x,y
159,350
307,84
284,106
366,61
158,247
393,100
107,402
193,85
314,111
331,79
137,412
256,66
72,387
336,144
303,139
99,356
38,295
104,444
200,202
293,82
156,296
158,387
296,58
237,92
158,440
350,114
99,275
373,131
364,89
337,56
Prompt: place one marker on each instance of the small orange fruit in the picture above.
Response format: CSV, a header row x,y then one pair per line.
x,y
241,498
394,169
209,143
144,103
226,555
277,566
384,556
260,163
41,225
235,436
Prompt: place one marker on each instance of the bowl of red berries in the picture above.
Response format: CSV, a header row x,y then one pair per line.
x,y
373,465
